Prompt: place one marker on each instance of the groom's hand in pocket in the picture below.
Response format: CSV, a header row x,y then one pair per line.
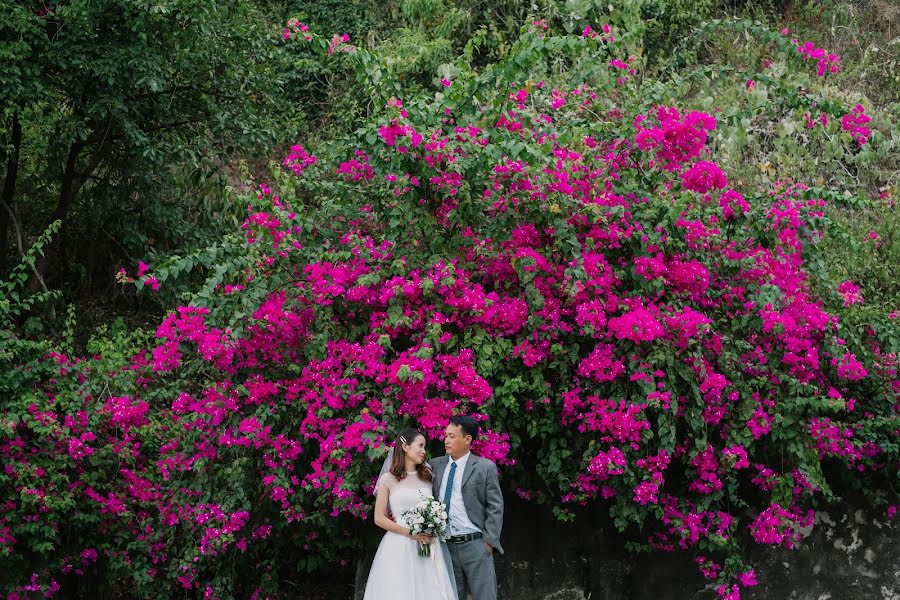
x,y
490,548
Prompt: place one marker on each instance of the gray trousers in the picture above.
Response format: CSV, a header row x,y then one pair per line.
x,y
473,567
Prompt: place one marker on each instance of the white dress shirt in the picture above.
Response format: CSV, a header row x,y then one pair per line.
x,y
459,521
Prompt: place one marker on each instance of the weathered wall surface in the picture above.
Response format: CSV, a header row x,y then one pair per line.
x,y
849,555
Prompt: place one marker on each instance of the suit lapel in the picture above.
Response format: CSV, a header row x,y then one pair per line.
x,y
470,468
440,463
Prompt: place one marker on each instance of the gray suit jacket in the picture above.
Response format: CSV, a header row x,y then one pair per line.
x,y
481,494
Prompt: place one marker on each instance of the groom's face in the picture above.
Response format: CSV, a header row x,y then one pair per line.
x,y
456,443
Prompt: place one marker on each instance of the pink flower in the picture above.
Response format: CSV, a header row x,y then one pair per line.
x,y
778,526
298,160
591,314
606,464
675,140
337,42
357,169
826,62
760,423
855,124
249,425
850,293
645,493
78,449
849,368
706,466
703,176
638,325
726,593
151,282
740,456
747,578
126,414
601,365
733,205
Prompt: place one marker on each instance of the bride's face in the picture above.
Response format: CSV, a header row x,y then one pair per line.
x,y
416,450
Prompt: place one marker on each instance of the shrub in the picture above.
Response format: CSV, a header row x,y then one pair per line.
x,y
547,244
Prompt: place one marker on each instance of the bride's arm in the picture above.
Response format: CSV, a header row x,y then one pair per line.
x,y
381,519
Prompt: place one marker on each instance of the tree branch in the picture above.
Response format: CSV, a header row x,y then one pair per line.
x,y
9,188
18,227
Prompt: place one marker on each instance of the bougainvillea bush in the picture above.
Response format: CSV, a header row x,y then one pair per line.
x,y
548,244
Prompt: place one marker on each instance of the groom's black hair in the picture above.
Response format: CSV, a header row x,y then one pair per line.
x,y
468,425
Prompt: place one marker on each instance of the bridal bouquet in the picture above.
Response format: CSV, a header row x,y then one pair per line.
x,y
428,516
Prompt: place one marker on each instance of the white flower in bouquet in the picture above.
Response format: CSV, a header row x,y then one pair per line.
x,y
428,516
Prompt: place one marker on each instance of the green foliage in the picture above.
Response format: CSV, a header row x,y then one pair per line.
x,y
23,348
864,34
20,353
25,413
159,99
852,252
126,110
13,300
669,22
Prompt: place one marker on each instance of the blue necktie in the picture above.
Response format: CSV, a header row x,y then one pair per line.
x,y
449,489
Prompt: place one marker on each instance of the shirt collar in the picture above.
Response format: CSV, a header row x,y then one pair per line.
x,y
461,462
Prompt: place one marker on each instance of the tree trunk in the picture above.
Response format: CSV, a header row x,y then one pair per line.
x,y
68,188
67,191
72,182
9,190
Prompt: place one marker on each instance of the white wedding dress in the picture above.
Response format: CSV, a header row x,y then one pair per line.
x,y
397,570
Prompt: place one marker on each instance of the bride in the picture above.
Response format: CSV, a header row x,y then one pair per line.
x,y
397,562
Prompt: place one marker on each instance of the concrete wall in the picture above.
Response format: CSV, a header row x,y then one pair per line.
x,y
849,555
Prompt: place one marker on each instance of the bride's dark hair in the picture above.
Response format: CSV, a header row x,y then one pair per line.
x,y
398,458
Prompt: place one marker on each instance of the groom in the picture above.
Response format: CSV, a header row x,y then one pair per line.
x,y
468,485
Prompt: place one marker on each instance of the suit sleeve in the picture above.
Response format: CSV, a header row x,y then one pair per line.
x,y
435,484
493,518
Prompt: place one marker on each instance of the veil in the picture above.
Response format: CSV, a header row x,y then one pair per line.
x,y
384,469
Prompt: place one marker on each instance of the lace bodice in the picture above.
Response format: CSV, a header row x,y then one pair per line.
x,y
404,494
